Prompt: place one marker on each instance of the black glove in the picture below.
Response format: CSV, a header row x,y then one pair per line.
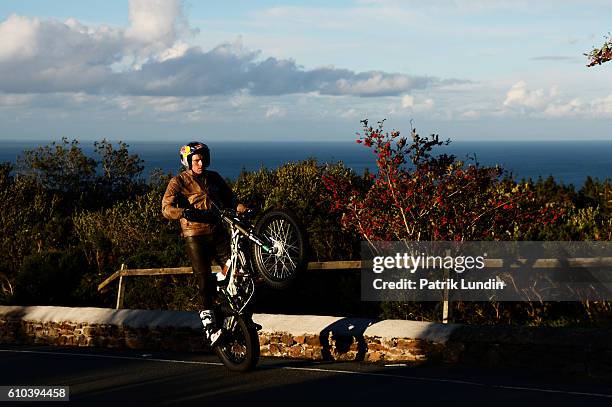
x,y
200,215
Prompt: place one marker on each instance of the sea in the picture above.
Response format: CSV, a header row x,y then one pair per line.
x,y
569,162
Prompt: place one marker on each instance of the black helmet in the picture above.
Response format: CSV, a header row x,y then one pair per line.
x,y
195,147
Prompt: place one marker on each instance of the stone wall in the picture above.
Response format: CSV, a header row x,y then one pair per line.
x,y
98,327
571,351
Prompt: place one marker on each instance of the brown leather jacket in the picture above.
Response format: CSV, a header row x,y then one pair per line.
x,y
187,189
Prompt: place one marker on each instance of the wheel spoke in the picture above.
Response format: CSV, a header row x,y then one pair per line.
x,y
282,234
291,260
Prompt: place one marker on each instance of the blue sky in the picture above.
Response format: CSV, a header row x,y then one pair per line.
x,y
295,70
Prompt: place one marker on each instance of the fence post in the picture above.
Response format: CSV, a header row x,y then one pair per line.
x,y
121,290
446,308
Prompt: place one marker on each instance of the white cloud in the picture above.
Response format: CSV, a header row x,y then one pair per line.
x,y
156,23
240,99
379,84
553,103
166,104
596,108
407,101
520,96
275,111
602,106
125,103
151,58
427,104
573,107
86,62
19,38
176,51
349,113
417,105
51,56
470,114
12,100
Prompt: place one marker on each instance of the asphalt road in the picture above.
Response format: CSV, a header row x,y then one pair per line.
x,y
104,377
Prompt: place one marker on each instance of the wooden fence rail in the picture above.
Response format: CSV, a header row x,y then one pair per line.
x,y
124,272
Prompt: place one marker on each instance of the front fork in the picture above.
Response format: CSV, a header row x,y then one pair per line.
x,y
230,319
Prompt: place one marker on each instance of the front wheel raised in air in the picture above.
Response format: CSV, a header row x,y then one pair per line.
x,y
238,347
282,231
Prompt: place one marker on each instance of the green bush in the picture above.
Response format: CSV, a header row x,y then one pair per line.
x,y
163,292
299,186
83,181
50,278
30,217
132,232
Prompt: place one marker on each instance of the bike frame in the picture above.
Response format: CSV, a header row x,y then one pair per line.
x,y
240,270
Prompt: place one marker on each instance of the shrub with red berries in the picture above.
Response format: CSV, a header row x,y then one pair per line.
x,y
416,194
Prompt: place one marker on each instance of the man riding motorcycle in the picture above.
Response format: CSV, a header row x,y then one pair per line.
x,y
188,199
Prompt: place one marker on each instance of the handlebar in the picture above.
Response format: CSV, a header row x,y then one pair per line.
x,y
232,214
240,222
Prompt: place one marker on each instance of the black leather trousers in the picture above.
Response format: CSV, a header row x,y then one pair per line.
x,y
202,250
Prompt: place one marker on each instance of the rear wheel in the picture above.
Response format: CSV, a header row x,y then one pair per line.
x,y
283,232
238,347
